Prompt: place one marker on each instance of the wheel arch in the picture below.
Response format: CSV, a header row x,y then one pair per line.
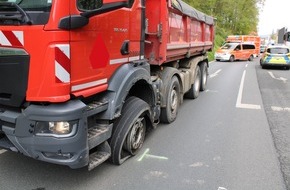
x,y
204,61
128,80
192,63
166,74
143,90
251,58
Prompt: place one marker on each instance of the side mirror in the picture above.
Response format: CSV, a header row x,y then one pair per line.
x,y
73,22
107,6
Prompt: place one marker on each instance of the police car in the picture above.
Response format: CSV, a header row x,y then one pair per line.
x,y
276,55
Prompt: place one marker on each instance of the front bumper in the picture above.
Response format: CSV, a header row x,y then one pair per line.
x,y
222,56
277,65
17,133
274,64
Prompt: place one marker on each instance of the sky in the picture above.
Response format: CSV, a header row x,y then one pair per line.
x,y
275,15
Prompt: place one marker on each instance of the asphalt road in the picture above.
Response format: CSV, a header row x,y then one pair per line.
x,y
233,137
275,89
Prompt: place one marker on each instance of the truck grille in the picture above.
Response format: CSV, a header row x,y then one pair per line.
x,y
13,79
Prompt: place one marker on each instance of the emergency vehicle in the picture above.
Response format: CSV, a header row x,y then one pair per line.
x,y
256,40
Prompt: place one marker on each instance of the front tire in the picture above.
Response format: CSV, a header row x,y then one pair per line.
x,y
251,58
169,113
129,130
232,58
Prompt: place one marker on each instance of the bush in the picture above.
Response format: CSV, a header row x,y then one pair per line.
x,y
220,36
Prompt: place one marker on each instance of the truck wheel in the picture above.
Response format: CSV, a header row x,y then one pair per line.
x,y
204,72
251,58
232,58
169,113
195,87
129,130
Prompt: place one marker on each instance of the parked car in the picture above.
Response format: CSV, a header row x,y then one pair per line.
x,y
235,51
277,55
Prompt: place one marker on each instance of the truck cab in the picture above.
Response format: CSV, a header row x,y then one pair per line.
x,y
56,61
82,81
70,48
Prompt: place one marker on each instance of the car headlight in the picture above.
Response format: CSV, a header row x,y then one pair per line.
x,y
55,128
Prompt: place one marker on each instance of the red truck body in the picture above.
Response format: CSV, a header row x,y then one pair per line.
x,y
180,33
70,70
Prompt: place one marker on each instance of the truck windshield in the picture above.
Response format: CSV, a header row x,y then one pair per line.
x,y
39,5
17,12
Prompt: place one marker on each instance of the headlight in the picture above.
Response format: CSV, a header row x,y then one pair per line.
x,y
55,128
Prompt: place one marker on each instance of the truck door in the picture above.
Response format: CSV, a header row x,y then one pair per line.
x,y
101,46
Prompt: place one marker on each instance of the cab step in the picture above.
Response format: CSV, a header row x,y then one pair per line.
x,y
102,154
97,158
98,134
96,107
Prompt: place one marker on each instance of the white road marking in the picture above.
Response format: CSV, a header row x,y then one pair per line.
x,y
280,78
196,164
240,95
276,108
215,73
222,188
246,65
211,91
2,151
150,156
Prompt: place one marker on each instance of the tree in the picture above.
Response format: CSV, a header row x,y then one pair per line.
x,y
236,17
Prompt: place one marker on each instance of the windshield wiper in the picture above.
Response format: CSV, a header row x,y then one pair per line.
x,y
104,9
23,17
19,2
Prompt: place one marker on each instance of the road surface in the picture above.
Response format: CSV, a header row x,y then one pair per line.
x,y
234,136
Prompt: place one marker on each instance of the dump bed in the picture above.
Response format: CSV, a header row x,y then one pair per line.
x,y
175,30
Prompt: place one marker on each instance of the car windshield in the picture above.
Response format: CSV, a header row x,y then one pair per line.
x,y
228,46
278,50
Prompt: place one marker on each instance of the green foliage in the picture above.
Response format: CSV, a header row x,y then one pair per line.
x,y
219,40
236,17
89,4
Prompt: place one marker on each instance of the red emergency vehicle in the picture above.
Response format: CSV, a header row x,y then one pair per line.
x,y
82,81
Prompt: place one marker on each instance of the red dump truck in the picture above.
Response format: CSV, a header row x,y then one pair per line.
x,y
82,81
